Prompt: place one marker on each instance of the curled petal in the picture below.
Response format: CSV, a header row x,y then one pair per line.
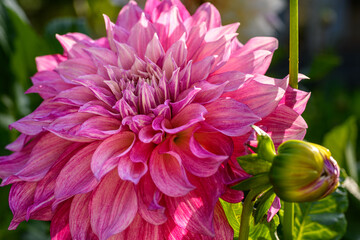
x,y
76,176
79,218
59,228
43,156
109,219
168,173
230,117
106,156
187,117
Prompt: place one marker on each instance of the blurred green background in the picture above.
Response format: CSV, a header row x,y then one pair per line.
x,y
329,55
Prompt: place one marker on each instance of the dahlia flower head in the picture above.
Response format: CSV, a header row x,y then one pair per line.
x,y
137,135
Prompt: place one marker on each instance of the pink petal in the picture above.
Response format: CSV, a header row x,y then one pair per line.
x,y
48,62
12,164
43,156
184,99
44,193
284,124
233,80
195,39
200,70
195,211
67,126
76,176
254,57
109,219
216,33
59,228
21,196
168,173
129,15
140,35
149,208
209,92
132,171
154,50
202,153
19,143
295,99
230,117
261,94
205,13
170,27
106,156
275,207
187,117
79,218
76,96
139,229
71,69
128,54
72,44
99,127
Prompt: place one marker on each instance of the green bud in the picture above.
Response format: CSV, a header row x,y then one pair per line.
x,y
303,172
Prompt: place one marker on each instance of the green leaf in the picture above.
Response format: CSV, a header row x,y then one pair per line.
x,y
254,165
262,231
341,141
253,182
324,219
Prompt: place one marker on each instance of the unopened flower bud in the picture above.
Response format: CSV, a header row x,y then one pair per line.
x,y
303,172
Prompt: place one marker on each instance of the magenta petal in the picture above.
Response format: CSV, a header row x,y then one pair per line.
x,y
12,164
233,79
295,99
168,173
205,13
129,15
59,228
67,126
44,193
284,124
21,196
140,35
79,218
106,156
76,176
209,92
170,27
275,207
195,210
261,94
139,229
154,50
43,156
147,192
48,62
195,156
109,219
141,152
132,171
187,117
99,127
230,117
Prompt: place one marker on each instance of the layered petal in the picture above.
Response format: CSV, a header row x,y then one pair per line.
x,y
107,220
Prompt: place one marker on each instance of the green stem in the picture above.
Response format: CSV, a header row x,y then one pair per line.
x,y
247,210
288,220
294,44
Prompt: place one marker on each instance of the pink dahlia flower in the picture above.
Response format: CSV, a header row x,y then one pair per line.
x,y
137,133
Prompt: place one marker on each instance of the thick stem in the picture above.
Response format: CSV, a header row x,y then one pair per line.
x,y
288,220
247,211
294,44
